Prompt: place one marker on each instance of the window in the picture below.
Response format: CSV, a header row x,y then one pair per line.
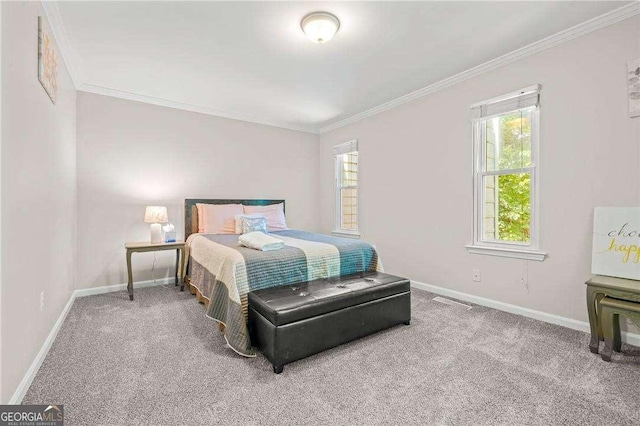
x,y
346,178
505,146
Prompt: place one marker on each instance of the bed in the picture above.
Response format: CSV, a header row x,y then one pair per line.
x,y
221,273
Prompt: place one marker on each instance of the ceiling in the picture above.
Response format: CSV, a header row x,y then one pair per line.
x,y
250,60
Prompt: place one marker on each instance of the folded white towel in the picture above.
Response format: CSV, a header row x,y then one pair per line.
x,y
260,241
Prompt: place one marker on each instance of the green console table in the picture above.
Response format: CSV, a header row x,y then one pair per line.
x,y
601,286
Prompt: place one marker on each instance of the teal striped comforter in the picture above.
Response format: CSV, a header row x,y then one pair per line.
x,y
224,272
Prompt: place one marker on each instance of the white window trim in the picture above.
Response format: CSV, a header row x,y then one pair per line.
x,y
336,209
348,234
527,251
507,252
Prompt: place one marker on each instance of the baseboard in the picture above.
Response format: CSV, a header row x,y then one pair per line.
x,y
82,292
44,350
631,338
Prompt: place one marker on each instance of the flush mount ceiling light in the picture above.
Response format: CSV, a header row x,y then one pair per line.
x,y
320,27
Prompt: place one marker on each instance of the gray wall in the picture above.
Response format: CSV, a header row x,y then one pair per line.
x,y
416,170
38,195
132,154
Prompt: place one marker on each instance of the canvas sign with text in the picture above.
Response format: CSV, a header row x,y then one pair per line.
x,y
616,242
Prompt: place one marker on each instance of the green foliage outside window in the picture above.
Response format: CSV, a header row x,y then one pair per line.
x,y
514,190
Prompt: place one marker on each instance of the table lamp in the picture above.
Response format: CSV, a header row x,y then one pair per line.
x,y
155,215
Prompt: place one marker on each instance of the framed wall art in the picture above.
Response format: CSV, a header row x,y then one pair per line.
x,y
47,60
633,68
616,242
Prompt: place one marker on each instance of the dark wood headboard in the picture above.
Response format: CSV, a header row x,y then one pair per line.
x,y
191,211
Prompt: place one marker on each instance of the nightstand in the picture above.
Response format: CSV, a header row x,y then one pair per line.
x,y
139,247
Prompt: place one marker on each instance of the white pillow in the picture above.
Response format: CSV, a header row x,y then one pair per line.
x,y
239,217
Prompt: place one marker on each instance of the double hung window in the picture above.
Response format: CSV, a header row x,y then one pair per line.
x,y
505,175
346,187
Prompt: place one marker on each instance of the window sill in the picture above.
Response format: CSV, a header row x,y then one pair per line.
x,y
538,256
348,234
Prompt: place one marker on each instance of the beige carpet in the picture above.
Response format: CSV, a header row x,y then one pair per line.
x,y
159,361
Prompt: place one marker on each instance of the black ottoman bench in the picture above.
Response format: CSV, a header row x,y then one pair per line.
x,y
292,322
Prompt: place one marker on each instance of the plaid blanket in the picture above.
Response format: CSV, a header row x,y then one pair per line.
x,y
224,272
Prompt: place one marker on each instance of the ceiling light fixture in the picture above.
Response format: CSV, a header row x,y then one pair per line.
x,y
320,27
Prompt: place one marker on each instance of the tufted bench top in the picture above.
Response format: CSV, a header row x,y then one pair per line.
x,y
290,303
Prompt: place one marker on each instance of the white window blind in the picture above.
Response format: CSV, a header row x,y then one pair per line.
x,y
346,147
525,98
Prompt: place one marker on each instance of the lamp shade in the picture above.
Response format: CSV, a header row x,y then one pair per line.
x,y
156,214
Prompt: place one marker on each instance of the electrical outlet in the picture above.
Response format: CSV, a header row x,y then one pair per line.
x,y
476,275
41,301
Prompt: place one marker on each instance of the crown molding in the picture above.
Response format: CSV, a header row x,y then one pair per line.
x,y
564,36
52,13
123,94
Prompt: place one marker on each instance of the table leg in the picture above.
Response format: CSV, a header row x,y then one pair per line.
x,y
617,341
177,266
607,320
182,274
594,343
130,282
